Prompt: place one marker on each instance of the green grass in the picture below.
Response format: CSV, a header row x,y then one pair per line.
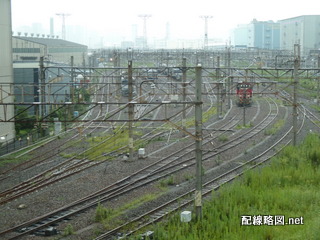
x,y
316,107
190,122
68,230
275,128
103,145
208,114
289,187
249,125
223,138
11,160
109,216
170,181
68,155
13,157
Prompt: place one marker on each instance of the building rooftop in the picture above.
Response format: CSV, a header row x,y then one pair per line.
x,y
51,42
300,17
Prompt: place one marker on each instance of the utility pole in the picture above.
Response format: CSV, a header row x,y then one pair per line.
x,y
42,97
63,15
145,39
184,85
198,143
116,64
229,79
219,96
295,86
244,114
318,85
205,43
72,79
43,87
130,110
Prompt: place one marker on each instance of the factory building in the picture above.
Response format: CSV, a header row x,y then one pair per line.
x,y
19,64
52,49
26,53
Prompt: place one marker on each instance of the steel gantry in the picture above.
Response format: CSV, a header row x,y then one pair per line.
x,y
48,96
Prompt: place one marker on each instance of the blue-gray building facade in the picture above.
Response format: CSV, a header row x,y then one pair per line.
x,y
282,35
258,34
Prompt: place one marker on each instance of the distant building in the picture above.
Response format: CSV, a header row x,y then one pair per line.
x,y
303,30
52,49
127,44
141,43
257,34
240,36
264,35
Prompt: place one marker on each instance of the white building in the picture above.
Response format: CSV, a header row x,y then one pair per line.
x,y
7,131
303,30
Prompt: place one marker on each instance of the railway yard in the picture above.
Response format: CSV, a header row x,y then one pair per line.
x,y
62,181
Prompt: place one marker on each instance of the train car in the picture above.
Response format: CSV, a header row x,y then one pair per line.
x,y
176,74
152,74
244,94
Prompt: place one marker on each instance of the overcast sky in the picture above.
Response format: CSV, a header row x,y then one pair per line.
x,y
116,17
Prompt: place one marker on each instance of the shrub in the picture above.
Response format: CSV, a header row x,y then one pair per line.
x,y
68,230
102,213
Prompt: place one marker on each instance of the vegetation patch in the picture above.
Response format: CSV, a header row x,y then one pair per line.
x,y
249,125
223,138
118,142
190,122
109,216
289,187
208,114
68,230
170,181
275,128
10,160
15,157
316,107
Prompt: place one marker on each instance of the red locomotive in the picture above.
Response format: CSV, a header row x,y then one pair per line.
x,y
244,94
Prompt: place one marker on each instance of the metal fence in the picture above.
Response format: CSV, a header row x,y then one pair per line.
x,y
19,143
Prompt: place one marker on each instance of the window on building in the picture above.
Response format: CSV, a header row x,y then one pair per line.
x,y
28,58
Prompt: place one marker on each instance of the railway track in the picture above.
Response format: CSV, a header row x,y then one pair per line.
x,y
58,144
121,187
109,192
187,199
68,167
175,163
63,170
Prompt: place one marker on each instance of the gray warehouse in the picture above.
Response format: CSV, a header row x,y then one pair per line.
x,y
52,49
